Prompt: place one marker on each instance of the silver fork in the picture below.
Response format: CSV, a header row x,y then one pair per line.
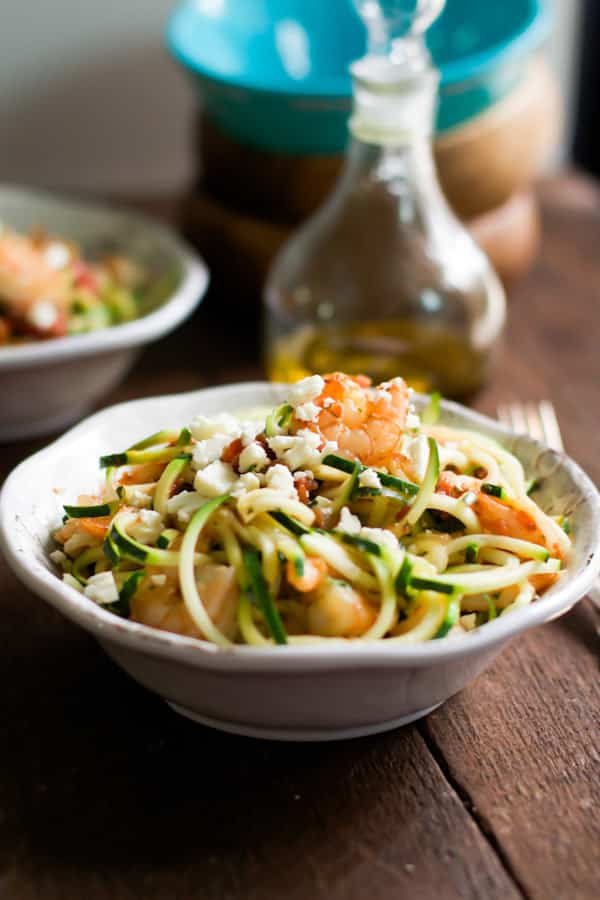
x,y
540,422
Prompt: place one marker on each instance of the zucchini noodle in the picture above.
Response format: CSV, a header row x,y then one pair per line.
x,y
278,531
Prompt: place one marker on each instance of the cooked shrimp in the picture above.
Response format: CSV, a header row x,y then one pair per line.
x,y
315,570
161,605
338,610
367,424
499,516
96,527
27,278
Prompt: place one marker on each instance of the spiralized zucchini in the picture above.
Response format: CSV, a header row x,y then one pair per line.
x,y
280,535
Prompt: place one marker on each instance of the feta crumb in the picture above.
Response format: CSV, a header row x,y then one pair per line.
x,y
300,473
349,523
417,450
183,505
413,422
58,557
57,255
207,451
159,580
380,536
308,412
249,431
245,483
305,390
300,451
369,479
101,588
327,402
253,456
146,526
217,478
323,504
72,582
279,478
139,499
43,315
204,427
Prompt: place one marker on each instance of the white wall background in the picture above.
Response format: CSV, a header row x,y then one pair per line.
x,y
90,100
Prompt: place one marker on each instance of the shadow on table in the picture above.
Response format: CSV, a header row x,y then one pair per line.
x,y
108,778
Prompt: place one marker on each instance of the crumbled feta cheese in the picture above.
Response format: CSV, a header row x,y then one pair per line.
x,y
204,427
146,526
249,431
308,412
300,451
138,498
349,523
327,402
279,478
380,536
253,456
413,421
369,479
305,390
72,582
58,557
323,505
183,505
101,588
159,580
57,255
245,483
217,478
417,450
207,451
43,315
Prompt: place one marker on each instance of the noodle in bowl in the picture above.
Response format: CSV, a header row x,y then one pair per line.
x,y
317,686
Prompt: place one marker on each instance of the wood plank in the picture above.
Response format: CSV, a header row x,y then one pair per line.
x,y
107,793
522,742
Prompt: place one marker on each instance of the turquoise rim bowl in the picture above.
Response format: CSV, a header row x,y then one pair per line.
x,y
273,74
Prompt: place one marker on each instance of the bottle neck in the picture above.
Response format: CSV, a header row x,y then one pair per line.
x,y
395,98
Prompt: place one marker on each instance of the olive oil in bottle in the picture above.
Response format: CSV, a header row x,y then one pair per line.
x,y
383,279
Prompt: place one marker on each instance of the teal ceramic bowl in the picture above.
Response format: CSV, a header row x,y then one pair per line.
x,y
274,74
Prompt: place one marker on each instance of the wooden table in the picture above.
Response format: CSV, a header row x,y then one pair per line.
x,y
105,793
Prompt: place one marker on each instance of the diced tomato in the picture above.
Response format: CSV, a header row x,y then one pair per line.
x,y
231,453
84,277
304,486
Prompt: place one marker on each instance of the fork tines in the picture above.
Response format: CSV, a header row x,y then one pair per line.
x,y
538,420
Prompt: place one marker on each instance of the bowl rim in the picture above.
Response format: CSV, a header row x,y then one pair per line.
x,y
167,316
534,30
192,651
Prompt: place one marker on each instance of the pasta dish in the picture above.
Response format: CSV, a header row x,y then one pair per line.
x,y
339,515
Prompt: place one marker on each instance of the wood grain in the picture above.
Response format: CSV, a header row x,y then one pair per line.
x,y
522,743
106,794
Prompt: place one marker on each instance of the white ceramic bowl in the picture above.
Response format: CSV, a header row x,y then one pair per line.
x,y
47,385
296,693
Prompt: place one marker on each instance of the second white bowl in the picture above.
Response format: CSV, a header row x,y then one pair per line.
x,y
47,385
